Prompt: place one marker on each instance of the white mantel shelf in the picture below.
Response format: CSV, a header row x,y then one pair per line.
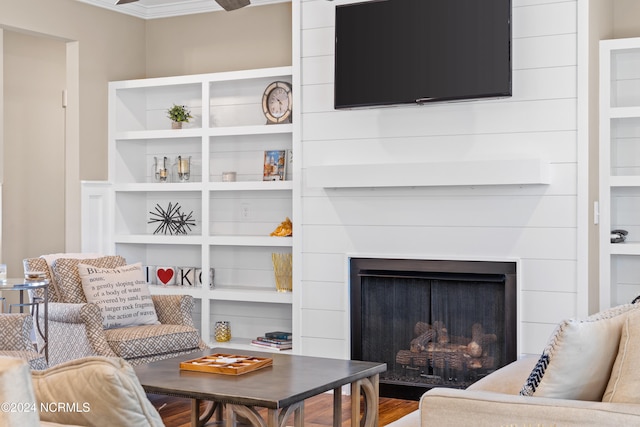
x,y
431,174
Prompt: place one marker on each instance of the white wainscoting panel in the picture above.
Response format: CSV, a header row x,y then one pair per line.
x,y
549,18
476,242
323,347
95,210
556,275
545,307
315,267
324,296
475,172
535,336
558,148
324,324
444,210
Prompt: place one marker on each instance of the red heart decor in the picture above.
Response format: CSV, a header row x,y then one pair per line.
x,y
164,275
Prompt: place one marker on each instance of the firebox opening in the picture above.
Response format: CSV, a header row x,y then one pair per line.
x,y
434,323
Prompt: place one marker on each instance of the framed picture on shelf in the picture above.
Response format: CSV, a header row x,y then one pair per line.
x,y
275,165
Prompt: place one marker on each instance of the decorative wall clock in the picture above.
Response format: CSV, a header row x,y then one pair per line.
x,y
277,102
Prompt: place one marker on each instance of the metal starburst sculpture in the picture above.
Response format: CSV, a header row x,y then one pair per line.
x,y
171,220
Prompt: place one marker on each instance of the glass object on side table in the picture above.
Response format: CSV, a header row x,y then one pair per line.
x,y
222,331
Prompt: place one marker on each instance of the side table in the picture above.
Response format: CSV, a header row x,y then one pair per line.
x,y
23,285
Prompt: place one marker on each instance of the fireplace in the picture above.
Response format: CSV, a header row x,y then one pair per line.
x,y
435,323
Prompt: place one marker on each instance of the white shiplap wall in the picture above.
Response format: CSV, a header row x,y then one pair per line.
x,y
535,224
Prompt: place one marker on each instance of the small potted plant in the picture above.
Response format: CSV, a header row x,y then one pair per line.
x,y
178,114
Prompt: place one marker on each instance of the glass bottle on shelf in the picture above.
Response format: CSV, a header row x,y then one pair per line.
x,y
161,169
183,168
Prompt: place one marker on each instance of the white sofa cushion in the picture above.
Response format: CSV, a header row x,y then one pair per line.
x,y
19,407
577,362
95,391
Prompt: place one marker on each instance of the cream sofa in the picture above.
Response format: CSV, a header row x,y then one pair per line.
x,y
494,401
586,376
93,391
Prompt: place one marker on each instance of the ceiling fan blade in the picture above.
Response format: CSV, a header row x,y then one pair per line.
x,y
125,1
233,4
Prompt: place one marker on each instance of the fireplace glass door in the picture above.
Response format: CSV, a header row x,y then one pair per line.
x,y
432,329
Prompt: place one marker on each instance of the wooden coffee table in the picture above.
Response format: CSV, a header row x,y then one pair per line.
x,y
281,388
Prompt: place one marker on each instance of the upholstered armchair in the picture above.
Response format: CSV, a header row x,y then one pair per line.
x,y
15,339
76,327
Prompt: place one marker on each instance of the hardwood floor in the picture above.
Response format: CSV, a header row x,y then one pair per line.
x,y
318,410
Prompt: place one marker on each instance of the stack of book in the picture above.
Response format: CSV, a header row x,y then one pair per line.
x,y
276,340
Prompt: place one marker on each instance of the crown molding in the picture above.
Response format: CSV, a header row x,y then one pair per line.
x,y
153,9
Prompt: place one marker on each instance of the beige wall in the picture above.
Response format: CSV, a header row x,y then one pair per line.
x,y
252,37
626,16
34,161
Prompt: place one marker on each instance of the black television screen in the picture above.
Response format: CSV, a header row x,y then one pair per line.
x,y
415,51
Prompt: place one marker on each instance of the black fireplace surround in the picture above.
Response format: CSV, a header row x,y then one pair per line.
x,y
435,323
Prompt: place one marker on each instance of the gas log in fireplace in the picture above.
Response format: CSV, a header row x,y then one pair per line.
x,y
435,323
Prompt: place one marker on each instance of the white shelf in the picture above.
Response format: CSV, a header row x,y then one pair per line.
x,y
249,74
159,134
487,172
194,291
197,186
158,187
624,181
228,293
199,132
243,344
624,112
156,82
250,186
265,241
251,130
626,248
158,239
220,77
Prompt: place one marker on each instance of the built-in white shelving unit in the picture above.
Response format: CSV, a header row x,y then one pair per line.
x,y
233,220
619,204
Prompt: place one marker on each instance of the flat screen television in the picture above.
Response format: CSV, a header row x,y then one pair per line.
x,y
417,51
